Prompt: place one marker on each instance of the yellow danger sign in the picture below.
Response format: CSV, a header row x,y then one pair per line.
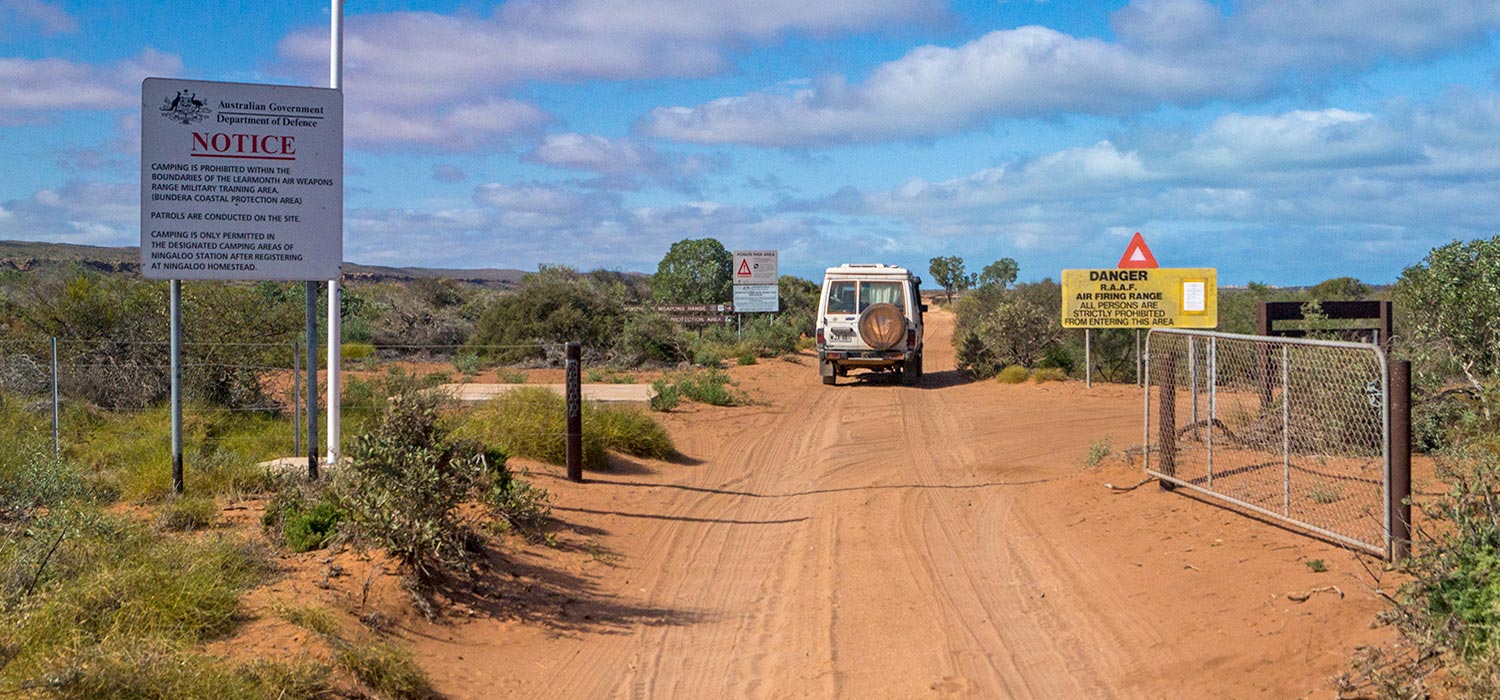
x,y
1152,298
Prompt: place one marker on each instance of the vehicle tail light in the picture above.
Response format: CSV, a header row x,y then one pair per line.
x,y
911,338
821,340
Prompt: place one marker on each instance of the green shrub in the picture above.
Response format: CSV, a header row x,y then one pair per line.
x,y
529,422
133,453
629,431
467,363
309,529
520,506
1099,450
746,359
711,386
1014,374
512,377
404,483
1043,375
1447,613
665,396
357,353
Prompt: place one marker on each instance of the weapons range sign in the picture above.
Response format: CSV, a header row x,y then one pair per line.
x,y
1141,298
241,181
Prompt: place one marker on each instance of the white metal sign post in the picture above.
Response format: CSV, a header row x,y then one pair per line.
x,y
238,182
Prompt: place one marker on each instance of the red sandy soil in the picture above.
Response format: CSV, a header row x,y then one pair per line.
x,y
870,540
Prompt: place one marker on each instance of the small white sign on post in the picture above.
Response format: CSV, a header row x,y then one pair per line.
x,y
241,181
754,267
756,298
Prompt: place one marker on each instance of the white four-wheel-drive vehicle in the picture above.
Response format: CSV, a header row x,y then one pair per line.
x,y
870,317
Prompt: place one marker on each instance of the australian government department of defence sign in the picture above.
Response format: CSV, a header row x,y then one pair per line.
x,y
241,181
1140,298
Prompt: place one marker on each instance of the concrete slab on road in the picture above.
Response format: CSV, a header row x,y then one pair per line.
x,y
598,393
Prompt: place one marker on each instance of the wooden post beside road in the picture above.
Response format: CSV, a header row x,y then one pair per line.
x,y
1400,452
574,435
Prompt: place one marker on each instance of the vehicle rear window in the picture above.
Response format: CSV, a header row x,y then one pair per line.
x,y
879,293
841,297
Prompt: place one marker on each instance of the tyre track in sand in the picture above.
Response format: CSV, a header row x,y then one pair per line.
x,y
854,542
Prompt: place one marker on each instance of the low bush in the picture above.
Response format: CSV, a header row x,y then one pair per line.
x,y
405,480
665,396
530,422
629,431
1043,375
357,354
710,386
1448,613
1013,374
519,505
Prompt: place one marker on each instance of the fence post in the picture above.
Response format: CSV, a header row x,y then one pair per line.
x,y
56,413
310,289
1088,361
574,437
296,399
176,349
1399,491
1166,421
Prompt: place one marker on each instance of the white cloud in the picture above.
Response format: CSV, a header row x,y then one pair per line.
x,y
624,164
1168,52
92,213
459,128
414,66
32,89
49,18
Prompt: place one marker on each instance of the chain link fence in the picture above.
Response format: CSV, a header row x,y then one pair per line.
x,y
1295,430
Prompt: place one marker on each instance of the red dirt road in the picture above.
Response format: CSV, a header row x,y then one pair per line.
x,y
875,541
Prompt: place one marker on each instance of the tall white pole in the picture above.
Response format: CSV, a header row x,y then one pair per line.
x,y
335,323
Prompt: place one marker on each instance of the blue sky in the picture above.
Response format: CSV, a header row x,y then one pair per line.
x,y
1279,141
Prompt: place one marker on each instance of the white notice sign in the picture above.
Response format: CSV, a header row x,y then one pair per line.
x,y
756,298
241,181
1194,296
754,267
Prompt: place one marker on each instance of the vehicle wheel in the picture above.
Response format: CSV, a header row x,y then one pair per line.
x,y
911,371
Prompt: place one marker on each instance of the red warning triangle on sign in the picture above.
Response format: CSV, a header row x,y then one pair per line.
x,y
1137,256
744,270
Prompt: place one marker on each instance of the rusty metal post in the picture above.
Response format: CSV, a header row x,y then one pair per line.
x,y
1263,365
1400,452
1166,421
574,437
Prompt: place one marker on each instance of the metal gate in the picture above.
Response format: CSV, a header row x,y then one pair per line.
x,y
1295,430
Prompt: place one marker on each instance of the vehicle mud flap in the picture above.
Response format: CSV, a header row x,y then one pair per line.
x,y
827,371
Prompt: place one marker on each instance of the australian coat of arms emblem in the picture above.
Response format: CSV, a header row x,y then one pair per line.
x,y
185,108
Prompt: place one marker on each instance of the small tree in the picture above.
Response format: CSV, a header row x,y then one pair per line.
x,y
1002,273
694,271
1339,289
949,273
1455,310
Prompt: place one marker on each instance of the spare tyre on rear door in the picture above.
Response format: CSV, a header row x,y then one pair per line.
x,y
870,317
